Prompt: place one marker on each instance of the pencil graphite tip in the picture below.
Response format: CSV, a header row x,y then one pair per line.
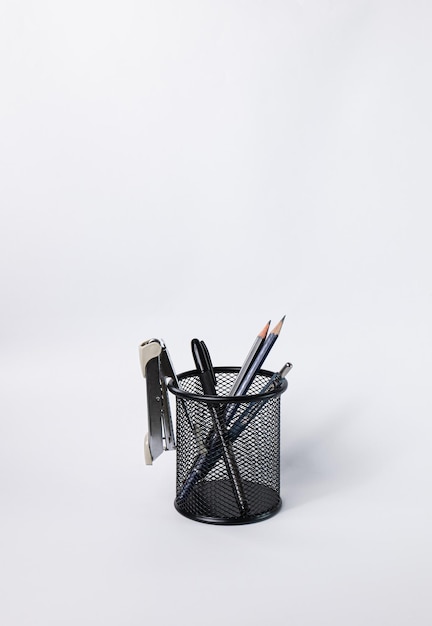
x,y
264,331
276,330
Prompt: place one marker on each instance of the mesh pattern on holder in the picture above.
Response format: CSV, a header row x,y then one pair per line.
x,y
205,489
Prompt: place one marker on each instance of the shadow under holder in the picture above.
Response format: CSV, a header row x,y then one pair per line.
x,y
205,490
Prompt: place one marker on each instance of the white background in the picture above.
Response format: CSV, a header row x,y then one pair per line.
x,y
180,169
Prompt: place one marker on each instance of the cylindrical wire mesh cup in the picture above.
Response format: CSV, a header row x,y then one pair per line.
x,y
237,480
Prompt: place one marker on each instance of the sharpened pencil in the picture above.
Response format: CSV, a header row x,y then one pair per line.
x,y
255,366
249,359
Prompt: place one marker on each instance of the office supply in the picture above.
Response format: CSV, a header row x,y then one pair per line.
x,y
204,490
255,365
206,460
207,377
206,463
208,363
250,358
156,366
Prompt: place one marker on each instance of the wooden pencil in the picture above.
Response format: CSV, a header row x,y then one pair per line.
x,y
249,359
254,367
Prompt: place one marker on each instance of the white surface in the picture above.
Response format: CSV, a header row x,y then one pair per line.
x,y
180,169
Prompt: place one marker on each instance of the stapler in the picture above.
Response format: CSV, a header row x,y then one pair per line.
x,y
156,366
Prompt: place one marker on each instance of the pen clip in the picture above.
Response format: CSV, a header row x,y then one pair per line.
x,y
156,366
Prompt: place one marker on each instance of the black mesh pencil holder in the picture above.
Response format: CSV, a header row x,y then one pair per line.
x,y
228,448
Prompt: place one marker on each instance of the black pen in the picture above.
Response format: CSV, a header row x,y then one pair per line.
x,y
206,374
207,364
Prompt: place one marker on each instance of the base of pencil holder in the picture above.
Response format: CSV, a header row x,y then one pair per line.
x,y
214,500
208,490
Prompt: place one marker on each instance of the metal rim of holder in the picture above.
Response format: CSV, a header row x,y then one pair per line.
x,y
173,386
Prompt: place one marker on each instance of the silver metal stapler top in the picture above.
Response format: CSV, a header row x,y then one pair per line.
x,y
156,367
